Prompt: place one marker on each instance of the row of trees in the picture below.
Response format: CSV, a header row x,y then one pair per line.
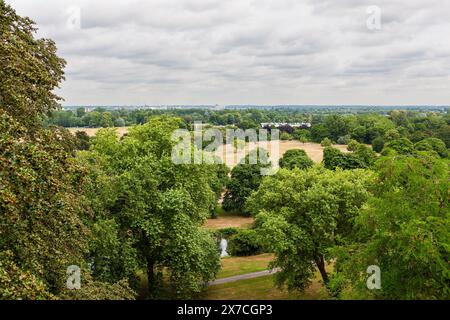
x,y
341,222
354,210
369,128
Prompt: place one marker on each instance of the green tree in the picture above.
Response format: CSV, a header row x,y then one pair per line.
x,y
81,112
245,178
432,144
44,220
29,70
326,142
404,229
301,214
319,132
333,158
352,145
378,144
337,126
159,206
295,158
401,146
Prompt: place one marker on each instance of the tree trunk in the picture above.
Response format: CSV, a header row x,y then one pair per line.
x,y
151,279
321,265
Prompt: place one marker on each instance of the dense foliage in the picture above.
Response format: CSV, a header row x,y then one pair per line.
x,y
154,210
245,178
44,218
404,230
301,214
130,218
296,158
246,242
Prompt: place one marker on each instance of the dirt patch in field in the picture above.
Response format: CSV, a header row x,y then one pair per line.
x,y
92,131
276,150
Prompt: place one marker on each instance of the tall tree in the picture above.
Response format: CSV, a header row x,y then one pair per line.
x,y
404,230
159,206
42,209
29,69
301,214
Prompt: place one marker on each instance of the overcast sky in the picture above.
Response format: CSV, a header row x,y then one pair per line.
x,y
155,52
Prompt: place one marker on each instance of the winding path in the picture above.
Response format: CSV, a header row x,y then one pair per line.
x,y
244,276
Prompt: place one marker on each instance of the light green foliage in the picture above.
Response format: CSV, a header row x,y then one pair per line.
x,y
295,158
301,214
18,284
158,208
285,136
391,134
326,142
352,145
404,230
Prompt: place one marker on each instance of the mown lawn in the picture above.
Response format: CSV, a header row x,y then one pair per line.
x,y
233,266
262,288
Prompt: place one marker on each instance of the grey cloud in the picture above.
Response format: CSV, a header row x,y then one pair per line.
x,y
249,51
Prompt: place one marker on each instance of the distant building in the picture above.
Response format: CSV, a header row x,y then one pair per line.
x,y
303,125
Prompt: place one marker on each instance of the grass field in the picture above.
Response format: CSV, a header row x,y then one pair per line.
x,y
262,288
233,266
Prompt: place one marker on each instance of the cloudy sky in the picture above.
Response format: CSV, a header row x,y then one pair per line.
x,y
124,52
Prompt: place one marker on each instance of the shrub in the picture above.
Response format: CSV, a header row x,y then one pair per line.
x,y
352,145
225,232
244,243
333,158
401,146
343,139
432,144
378,144
295,158
285,136
365,154
326,142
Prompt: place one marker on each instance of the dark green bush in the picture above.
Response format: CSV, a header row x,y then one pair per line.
x,y
432,144
401,146
295,158
378,144
244,243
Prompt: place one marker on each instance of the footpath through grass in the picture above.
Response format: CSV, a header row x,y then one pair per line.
x,y
262,288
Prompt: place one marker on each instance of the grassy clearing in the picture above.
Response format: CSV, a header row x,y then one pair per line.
x,y
262,288
233,266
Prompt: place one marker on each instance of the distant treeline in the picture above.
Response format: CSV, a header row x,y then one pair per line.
x,y
364,127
